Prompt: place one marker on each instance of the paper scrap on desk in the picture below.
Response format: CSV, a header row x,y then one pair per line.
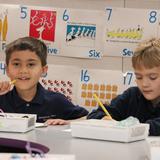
x,y
128,122
155,154
154,143
20,156
41,125
67,130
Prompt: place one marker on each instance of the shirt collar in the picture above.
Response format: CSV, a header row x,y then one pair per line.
x,y
38,99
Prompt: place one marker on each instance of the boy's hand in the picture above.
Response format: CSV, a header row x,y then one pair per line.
x,y
5,87
56,122
107,118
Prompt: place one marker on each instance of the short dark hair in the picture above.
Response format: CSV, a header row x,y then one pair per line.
x,y
27,43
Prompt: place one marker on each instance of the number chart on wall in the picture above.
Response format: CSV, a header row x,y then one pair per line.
x,y
9,24
129,79
62,79
66,32
125,28
79,85
39,22
106,84
42,23
82,33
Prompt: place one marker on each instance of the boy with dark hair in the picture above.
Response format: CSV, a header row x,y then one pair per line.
x,y
143,101
26,61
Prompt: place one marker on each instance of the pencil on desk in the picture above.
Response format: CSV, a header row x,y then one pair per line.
x,y
102,106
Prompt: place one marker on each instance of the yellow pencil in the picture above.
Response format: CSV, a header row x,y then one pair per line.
x,y
13,81
4,28
102,106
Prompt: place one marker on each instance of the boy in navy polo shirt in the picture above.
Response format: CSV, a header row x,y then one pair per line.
x,y
26,61
143,101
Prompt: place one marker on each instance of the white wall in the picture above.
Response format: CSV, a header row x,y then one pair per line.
x,y
113,63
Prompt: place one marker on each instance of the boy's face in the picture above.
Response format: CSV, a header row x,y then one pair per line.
x,y
148,81
25,66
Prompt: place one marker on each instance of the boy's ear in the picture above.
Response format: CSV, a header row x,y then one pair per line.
x,y
44,71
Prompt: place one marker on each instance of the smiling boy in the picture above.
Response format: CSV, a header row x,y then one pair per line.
x,y
26,62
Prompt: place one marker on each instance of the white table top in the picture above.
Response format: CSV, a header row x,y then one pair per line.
x,y
61,142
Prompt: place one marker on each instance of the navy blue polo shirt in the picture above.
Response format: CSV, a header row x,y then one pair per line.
x,y
132,103
46,104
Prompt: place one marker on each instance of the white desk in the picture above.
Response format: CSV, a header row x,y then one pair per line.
x,y
61,142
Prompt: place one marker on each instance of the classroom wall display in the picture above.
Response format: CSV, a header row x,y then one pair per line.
x,y
79,33
79,84
126,27
62,79
9,24
106,84
83,30
38,22
65,79
66,32
129,79
45,24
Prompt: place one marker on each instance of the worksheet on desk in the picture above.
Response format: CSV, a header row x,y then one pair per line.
x,y
18,156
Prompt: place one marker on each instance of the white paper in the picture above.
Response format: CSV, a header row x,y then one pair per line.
x,y
19,156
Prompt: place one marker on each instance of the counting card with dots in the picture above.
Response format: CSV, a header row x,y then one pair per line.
x,y
62,79
59,85
101,83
